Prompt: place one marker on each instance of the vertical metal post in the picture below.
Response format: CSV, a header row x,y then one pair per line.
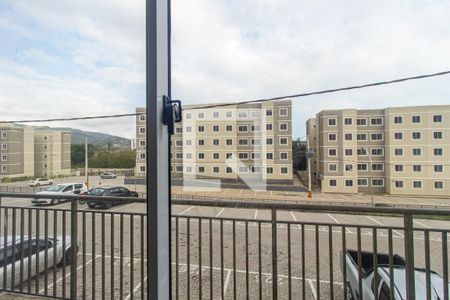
x,y
274,255
158,78
73,248
409,255
86,162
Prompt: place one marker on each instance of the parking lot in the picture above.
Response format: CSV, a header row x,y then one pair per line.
x,y
111,250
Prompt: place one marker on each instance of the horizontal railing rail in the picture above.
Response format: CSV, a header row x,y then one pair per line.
x,y
218,256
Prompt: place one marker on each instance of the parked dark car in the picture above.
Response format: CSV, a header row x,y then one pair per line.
x,y
106,175
114,191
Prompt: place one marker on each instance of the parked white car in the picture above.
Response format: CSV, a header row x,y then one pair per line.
x,y
38,246
40,182
60,189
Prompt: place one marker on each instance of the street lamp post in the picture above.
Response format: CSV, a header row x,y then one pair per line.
x,y
371,170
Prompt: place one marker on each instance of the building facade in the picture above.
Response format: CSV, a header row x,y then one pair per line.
x,y
398,150
232,143
16,151
52,153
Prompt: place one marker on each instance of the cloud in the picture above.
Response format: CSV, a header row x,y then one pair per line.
x,y
85,57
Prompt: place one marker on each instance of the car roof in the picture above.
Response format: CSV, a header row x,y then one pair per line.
x,y
109,187
70,183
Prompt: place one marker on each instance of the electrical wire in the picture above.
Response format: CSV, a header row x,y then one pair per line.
x,y
278,98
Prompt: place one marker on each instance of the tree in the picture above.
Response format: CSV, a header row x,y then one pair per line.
x,y
298,154
78,154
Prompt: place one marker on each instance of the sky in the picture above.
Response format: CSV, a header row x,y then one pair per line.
x,y
78,57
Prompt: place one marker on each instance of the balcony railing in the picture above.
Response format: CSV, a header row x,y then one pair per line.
x,y
266,256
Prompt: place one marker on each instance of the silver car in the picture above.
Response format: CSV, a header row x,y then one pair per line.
x,y
59,190
13,259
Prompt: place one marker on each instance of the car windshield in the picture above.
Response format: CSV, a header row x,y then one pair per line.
x,y
97,192
55,188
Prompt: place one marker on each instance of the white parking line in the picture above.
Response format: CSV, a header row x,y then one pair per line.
x,y
256,214
421,224
227,281
136,288
240,192
313,288
122,207
381,224
337,221
185,211
293,216
220,212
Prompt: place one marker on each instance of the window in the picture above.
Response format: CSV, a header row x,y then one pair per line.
x,y
377,151
179,143
201,155
216,115
229,114
332,122
379,182
332,152
188,116
283,126
268,127
348,152
332,167
188,129
229,170
377,167
398,151
179,155
283,155
255,169
229,155
283,141
201,128
216,142
256,114
201,142
269,112
398,135
255,142
348,182
4,157
438,151
269,170
216,169
283,112
201,115
438,168
398,184
376,136
243,142
243,128
348,121
142,143
332,136
142,117
229,128
269,141
4,146
242,115
437,118
4,135
142,169
361,122
415,119
216,155
255,128
188,155
417,168
229,142
256,155
398,168
284,170
179,169
361,136
243,155
178,130
4,169
216,128
188,142
269,155
376,121
363,182
398,120
348,168
333,182
362,167
243,170
437,135
188,169
417,184
416,151
416,135
439,185
348,136
201,169
361,152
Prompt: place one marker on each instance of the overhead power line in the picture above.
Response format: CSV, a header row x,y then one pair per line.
x,y
353,87
278,98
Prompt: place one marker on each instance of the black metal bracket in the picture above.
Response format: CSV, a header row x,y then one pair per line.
x,y
171,113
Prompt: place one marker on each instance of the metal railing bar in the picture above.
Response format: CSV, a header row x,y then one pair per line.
x,y
64,256
375,260
330,257
303,262
132,255
46,253
121,258
30,219
200,277
358,239
38,214
142,257
55,251
427,264
22,235
274,255
289,261
222,279
247,280
344,261
93,235
13,269
211,275
391,264
188,258
259,260
177,271
103,254
83,271
317,262
112,254
445,264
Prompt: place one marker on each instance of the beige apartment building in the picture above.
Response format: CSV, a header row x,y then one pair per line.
x,y
396,150
52,153
25,151
16,151
232,143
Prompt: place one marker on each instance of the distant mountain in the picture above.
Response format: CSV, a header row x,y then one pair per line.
x,y
95,138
